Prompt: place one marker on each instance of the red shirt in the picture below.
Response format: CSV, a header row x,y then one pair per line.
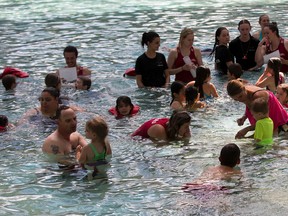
x,y
143,129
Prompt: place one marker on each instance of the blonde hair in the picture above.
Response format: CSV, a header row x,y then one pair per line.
x,y
98,126
184,33
235,87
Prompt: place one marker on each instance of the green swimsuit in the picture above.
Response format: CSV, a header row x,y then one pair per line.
x,y
98,156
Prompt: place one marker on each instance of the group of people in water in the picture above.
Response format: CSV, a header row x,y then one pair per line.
x,y
265,101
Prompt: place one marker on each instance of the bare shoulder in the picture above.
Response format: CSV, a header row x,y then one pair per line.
x,y
51,144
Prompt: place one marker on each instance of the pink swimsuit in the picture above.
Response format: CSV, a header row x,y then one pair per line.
x,y
276,112
143,129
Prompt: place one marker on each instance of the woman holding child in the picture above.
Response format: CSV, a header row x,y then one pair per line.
x,y
247,94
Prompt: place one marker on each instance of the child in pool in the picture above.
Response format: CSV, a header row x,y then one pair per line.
x,y
99,148
192,99
229,158
9,82
272,76
83,83
282,94
202,82
264,125
235,72
4,123
178,95
124,107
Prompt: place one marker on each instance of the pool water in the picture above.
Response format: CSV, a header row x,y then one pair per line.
x,y
143,178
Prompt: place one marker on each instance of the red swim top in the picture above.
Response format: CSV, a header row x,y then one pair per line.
x,y
114,112
143,129
283,54
184,76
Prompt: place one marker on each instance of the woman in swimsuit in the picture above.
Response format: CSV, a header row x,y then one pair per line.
x,y
180,69
177,126
272,76
247,94
272,43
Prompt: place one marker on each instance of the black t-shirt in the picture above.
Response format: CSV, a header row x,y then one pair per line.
x,y
152,70
222,55
244,52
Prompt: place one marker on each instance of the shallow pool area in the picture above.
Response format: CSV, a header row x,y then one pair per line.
x,y
144,178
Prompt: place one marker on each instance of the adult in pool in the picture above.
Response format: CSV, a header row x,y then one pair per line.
x,y
185,47
177,126
65,138
247,94
272,43
151,67
244,47
223,57
263,21
71,54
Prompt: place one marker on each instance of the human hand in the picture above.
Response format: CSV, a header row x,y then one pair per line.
x,y
78,151
284,61
241,120
241,134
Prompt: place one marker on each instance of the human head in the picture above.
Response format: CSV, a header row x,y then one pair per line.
x,y
151,39
259,108
234,71
273,30
124,105
96,128
202,76
186,37
264,20
49,100
9,82
244,28
178,125
66,120
237,90
191,94
3,121
70,54
83,83
221,37
53,80
282,93
177,90
275,64
230,155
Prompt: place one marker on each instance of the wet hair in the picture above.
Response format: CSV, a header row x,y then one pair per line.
x,y
275,64
261,16
235,87
191,94
71,49
284,87
260,105
86,81
236,70
60,109
176,87
177,119
148,37
52,80
3,121
217,34
229,155
98,126
184,33
201,75
126,100
52,91
274,28
244,21
8,80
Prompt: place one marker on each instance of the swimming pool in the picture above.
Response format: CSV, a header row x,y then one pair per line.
x,y
144,179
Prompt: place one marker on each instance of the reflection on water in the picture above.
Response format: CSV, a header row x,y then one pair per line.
x,y
144,178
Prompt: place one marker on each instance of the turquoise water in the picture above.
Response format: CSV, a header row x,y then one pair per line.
x,y
144,179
